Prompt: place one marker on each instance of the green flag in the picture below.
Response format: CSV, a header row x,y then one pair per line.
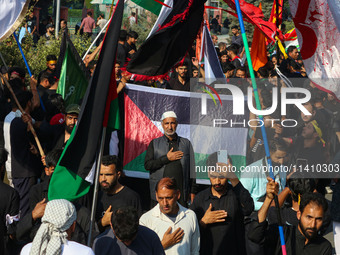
x,y
72,82
74,172
150,5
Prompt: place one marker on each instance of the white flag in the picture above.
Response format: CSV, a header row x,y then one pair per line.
x,y
11,15
319,40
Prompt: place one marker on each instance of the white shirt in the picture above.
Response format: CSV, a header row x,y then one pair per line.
x,y
70,248
132,20
7,123
186,220
101,23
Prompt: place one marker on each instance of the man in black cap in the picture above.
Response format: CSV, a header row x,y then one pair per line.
x,y
71,117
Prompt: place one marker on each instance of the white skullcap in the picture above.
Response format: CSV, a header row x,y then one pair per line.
x,y
169,114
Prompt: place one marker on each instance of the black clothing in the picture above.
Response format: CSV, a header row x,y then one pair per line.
x,y
228,236
9,204
177,85
295,241
288,216
31,23
156,161
146,242
24,163
125,197
215,26
128,48
238,40
226,23
236,62
314,155
121,54
27,228
331,106
174,168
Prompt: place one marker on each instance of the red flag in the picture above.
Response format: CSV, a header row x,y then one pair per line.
x,y
258,48
255,16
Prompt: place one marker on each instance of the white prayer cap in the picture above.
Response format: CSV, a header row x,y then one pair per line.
x,y
169,114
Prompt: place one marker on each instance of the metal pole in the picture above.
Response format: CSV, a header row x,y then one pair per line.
x,y
57,19
22,54
94,41
258,106
3,60
96,186
28,68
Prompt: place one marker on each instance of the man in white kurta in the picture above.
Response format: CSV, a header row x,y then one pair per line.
x,y
176,226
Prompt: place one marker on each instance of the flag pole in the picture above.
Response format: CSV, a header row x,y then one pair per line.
x,y
28,68
57,19
94,41
3,60
22,54
96,186
258,106
41,151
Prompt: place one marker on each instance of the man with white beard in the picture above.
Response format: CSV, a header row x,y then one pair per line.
x,y
170,156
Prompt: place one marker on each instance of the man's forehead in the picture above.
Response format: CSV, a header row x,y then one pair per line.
x,y
170,119
72,115
109,168
164,191
314,210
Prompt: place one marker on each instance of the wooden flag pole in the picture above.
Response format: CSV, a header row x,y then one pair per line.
x,y
41,151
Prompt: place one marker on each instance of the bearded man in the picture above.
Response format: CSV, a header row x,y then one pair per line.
x,y
113,195
170,156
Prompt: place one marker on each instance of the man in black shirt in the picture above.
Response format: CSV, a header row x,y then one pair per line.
x,y
9,211
130,44
237,39
51,64
126,236
25,159
181,81
304,238
220,210
113,194
121,49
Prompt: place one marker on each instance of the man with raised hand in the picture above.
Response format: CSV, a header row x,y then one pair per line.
x,y
220,210
303,239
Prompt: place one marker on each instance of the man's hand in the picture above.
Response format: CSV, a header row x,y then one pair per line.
x,y
173,238
227,172
213,216
107,217
272,188
33,83
43,160
131,52
33,149
125,76
39,210
26,118
174,155
195,61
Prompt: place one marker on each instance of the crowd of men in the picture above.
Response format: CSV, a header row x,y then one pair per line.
x,y
235,214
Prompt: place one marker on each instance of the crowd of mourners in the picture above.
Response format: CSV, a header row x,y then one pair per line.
x,y
170,213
